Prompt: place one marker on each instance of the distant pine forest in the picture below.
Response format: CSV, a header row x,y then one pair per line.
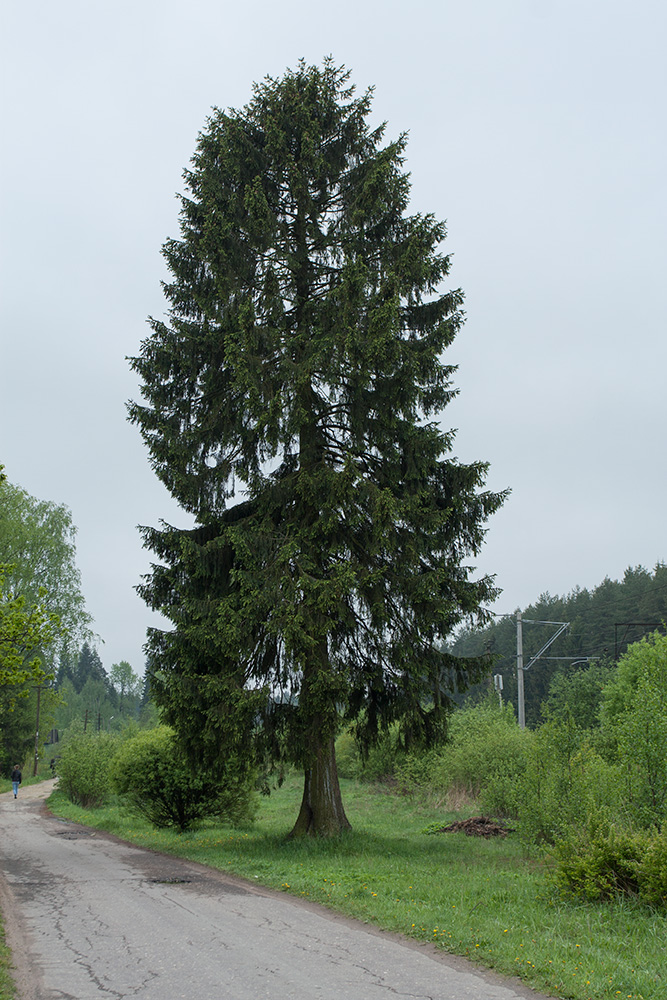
x,y
603,621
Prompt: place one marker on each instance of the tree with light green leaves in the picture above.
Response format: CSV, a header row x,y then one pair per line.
x,y
126,684
634,712
37,546
26,631
43,611
292,403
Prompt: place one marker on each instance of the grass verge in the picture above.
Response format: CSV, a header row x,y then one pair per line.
x,y
7,986
485,900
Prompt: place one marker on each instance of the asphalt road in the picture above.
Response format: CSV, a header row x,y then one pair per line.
x,y
90,917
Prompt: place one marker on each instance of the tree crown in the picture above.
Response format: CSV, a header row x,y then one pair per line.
x,y
301,364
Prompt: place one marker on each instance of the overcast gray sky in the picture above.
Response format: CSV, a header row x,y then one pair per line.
x,y
537,130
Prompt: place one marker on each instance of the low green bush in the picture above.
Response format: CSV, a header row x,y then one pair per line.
x,y
153,773
603,862
601,866
83,767
652,871
484,760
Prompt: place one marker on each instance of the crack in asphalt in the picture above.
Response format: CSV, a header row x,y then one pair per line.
x,y
89,958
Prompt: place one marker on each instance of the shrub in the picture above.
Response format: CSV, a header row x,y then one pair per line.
x,y
578,693
83,767
484,760
348,760
600,865
382,758
652,871
417,772
635,722
642,739
380,761
151,770
603,863
565,782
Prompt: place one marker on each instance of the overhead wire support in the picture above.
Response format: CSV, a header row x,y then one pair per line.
x,y
577,659
520,669
563,626
536,621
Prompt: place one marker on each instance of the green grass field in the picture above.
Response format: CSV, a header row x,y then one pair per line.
x,y
486,900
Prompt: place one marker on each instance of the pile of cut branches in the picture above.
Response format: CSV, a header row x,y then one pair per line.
x,y
477,826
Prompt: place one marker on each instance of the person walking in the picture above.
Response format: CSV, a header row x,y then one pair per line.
x,y
16,779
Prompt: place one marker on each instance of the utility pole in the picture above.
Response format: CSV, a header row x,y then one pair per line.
x,y
519,670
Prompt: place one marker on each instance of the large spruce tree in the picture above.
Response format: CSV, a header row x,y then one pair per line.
x,y
290,405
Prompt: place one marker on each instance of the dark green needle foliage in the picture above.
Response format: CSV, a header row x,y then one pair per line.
x,y
291,405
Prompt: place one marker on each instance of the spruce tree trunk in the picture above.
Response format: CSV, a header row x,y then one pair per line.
x,y
322,812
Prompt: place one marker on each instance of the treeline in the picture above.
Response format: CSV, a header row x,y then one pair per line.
x,y
99,700
604,622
